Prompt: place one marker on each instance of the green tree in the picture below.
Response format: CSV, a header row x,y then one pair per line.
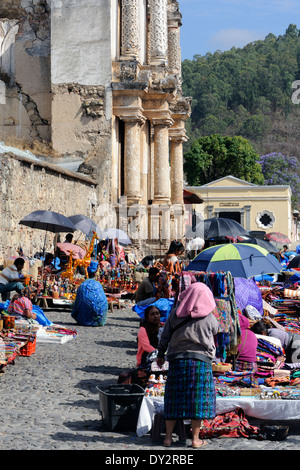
x,y
216,156
256,79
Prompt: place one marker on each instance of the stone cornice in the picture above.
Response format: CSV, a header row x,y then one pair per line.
x,y
130,113
178,135
160,117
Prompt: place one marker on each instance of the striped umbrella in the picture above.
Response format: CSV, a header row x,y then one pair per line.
x,y
278,237
241,259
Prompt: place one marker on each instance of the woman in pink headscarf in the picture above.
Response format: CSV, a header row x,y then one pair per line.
x,y
188,338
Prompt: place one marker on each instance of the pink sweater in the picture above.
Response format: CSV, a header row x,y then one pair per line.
x,y
247,348
143,345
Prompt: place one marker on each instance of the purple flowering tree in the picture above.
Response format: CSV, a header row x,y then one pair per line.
x,y
279,169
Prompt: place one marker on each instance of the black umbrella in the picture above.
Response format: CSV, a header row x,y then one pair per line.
x,y
49,221
217,227
85,225
263,243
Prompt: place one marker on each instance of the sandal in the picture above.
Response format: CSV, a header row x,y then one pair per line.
x,y
201,444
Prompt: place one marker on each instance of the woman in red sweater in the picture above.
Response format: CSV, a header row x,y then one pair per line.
x,y
148,334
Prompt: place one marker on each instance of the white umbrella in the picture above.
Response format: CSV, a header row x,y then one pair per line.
x,y
113,233
195,244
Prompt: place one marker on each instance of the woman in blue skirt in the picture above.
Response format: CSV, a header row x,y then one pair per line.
x,y
188,338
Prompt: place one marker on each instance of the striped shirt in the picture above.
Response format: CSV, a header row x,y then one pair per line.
x,y
19,306
9,274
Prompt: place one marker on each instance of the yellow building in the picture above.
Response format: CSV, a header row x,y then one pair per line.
x,y
256,208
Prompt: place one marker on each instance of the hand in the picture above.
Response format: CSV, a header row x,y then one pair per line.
x,y
160,361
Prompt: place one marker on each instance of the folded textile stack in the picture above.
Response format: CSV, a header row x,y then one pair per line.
x,y
269,356
290,324
232,378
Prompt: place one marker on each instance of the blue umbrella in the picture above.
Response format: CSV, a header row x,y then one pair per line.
x,y
241,259
85,225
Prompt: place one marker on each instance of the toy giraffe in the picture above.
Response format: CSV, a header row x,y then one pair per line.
x,y
86,260
68,273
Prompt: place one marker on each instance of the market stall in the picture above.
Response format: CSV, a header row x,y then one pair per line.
x,y
273,410
274,395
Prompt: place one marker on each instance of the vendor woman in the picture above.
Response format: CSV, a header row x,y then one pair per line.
x,y
21,306
290,342
148,333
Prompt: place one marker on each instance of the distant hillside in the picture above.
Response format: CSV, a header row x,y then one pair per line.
x,y
248,92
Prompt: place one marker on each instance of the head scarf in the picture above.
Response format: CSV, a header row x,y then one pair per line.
x,y
197,301
244,322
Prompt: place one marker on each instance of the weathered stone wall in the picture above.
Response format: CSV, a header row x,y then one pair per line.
x,y
26,186
25,70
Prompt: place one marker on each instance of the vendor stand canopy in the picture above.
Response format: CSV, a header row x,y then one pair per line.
x,y
217,227
240,259
85,225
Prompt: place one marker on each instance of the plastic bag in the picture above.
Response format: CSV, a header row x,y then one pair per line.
x,y
164,305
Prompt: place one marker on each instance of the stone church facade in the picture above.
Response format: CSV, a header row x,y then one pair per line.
x,y
101,80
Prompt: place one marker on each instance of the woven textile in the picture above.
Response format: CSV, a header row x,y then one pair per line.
x,y
222,312
189,391
222,287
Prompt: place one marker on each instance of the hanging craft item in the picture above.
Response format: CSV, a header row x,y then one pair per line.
x,y
86,261
68,273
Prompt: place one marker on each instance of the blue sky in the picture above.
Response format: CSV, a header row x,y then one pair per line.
x,y
209,25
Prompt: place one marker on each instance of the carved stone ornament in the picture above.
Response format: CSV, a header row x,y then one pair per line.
x,y
158,30
130,28
125,71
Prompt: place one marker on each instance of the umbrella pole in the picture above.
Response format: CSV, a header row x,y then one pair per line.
x,y
44,249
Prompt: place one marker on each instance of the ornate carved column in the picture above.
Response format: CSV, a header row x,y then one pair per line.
x,y
176,158
130,34
180,110
174,50
158,32
132,158
162,187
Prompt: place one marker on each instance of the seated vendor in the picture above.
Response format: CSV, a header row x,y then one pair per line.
x,y
48,264
290,342
21,306
145,292
247,349
11,279
69,238
148,334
